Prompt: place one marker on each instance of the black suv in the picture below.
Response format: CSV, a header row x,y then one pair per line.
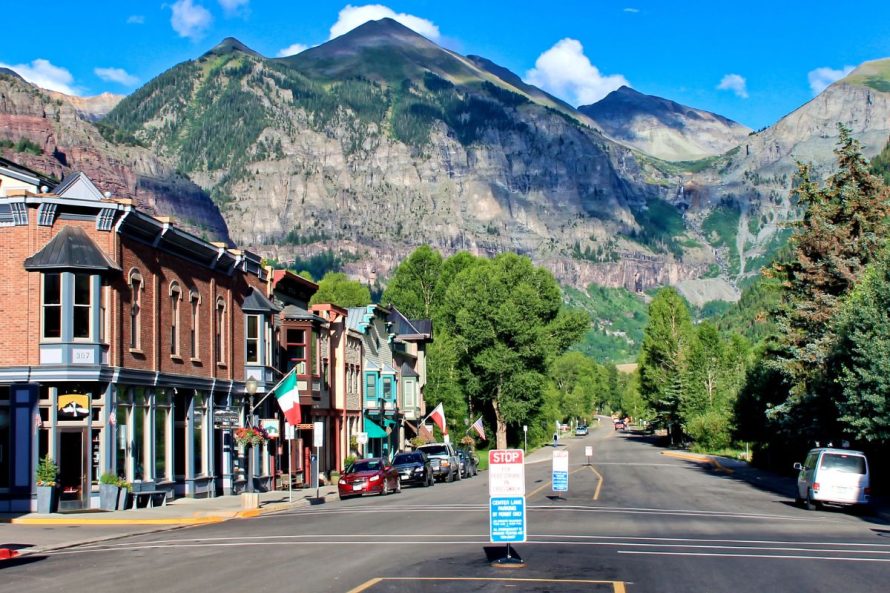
x,y
414,468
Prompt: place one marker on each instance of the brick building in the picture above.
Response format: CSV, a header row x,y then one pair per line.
x,y
122,336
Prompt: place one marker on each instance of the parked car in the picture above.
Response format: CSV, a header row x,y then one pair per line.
x,y
469,463
444,461
581,431
834,476
369,476
414,468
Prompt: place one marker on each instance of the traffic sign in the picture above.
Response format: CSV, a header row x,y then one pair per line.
x,y
560,470
506,473
588,451
506,519
318,434
289,431
361,438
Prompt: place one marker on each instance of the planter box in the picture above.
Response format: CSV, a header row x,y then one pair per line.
x,y
122,497
47,499
108,497
250,500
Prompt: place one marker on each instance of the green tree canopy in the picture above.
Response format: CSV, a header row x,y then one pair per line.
x,y
336,288
413,285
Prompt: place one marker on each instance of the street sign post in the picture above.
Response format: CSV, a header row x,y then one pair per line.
x,y
560,477
588,453
317,442
506,505
289,435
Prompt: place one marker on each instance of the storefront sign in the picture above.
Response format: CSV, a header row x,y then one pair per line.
x,y
318,434
270,425
560,477
74,405
303,426
361,438
225,418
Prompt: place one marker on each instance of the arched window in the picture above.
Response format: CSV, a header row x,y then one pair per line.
x,y
136,285
175,299
220,330
195,304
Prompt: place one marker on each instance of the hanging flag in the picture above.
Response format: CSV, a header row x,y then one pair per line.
x,y
480,430
289,397
438,416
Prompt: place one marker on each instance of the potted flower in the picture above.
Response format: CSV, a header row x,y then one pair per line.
x,y
247,436
108,491
47,487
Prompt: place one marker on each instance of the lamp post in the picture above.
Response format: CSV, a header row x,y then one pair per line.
x,y
250,387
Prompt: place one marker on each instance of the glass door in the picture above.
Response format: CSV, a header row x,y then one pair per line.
x,y
73,450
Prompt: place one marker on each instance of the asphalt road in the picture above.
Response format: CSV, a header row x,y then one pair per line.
x,y
635,520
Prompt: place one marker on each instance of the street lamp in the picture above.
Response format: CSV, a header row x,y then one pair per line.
x,y
250,387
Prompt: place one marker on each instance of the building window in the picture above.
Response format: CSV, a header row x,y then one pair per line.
x,y
370,387
83,305
199,416
163,424
52,306
135,310
175,298
220,330
103,314
296,350
410,388
194,300
5,438
313,353
252,338
387,388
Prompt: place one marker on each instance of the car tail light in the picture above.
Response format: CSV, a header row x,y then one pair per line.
x,y
815,486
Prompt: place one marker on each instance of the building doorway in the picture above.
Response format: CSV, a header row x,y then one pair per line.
x,y
73,468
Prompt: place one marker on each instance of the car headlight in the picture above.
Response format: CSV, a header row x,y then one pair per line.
x,y
418,470
374,478
342,481
444,463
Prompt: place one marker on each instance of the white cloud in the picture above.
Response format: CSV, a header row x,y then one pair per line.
x,y
632,10
190,20
118,75
353,16
291,50
136,19
42,73
234,7
820,78
735,83
566,72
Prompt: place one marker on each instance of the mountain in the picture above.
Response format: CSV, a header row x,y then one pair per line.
x,y
48,134
380,140
748,189
91,108
663,128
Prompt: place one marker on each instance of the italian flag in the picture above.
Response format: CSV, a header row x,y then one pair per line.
x,y
289,398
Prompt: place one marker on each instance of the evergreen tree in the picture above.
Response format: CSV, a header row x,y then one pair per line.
x,y
664,357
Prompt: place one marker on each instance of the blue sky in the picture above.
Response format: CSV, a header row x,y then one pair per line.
x,y
752,61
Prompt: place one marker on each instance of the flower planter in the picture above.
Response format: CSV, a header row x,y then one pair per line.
x,y
108,497
250,500
47,499
122,496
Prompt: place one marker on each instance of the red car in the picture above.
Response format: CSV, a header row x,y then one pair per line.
x,y
619,425
367,476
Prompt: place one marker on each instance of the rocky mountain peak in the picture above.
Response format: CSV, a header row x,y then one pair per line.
x,y
874,74
231,45
664,128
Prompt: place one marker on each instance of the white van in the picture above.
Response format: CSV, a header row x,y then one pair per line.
x,y
834,476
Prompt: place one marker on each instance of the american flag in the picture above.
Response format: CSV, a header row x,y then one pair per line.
x,y
480,430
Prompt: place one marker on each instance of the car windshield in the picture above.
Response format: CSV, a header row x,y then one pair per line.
x,y
366,465
435,450
407,458
850,464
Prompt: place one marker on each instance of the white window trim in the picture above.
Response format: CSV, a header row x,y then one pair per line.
x,y
136,298
175,294
43,337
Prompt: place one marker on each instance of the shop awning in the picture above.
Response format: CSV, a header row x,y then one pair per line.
x,y
373,429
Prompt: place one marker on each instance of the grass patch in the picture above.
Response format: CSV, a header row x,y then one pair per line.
x,y
721,228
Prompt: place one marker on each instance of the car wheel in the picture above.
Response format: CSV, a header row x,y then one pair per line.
x,y
398,485
458,476
809,503
385,490
450,477
429,481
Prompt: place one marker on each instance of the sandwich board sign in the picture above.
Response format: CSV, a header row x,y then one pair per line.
x,y
506,491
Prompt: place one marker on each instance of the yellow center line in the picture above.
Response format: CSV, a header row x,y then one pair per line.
x,y
599,486
617,586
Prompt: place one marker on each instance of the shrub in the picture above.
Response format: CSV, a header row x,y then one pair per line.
x,y
47,472
710,431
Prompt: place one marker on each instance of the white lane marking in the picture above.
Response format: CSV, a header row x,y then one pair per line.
x,y
770,556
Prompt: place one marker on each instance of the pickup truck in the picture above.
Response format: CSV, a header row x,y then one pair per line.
x,y
444,461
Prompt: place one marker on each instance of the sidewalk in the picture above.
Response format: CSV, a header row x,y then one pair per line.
x,y
33,533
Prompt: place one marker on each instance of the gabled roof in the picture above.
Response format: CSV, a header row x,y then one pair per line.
x,y
257,302
79,187
295,312
17,171
71,249
407,371
406,329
